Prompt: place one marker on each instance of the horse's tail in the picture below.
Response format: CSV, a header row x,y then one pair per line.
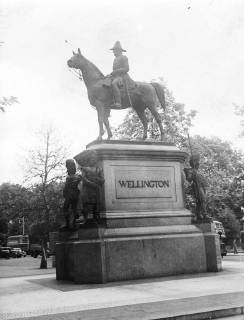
x,y
160,93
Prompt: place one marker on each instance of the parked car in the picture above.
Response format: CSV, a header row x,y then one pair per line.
x,y
16,253
5,252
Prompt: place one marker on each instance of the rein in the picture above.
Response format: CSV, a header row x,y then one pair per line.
x,y
76,73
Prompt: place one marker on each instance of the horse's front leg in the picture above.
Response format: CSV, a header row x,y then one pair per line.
x,y
100,117
106,122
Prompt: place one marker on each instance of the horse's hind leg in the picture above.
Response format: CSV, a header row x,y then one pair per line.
x,y
144,121
158,120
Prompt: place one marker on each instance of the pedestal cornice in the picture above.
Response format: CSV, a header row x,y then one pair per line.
x,y
137,150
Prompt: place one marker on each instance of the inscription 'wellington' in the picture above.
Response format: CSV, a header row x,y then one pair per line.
x,y
144,183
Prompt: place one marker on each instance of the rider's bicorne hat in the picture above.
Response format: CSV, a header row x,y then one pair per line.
x,y
117,45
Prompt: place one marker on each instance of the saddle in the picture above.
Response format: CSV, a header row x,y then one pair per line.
x,y
126,86
107,82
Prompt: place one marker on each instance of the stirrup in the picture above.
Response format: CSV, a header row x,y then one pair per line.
x,y
116,105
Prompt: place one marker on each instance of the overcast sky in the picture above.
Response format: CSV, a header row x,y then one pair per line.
x,y
196,46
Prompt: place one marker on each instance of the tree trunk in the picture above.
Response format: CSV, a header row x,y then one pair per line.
x,y
44,258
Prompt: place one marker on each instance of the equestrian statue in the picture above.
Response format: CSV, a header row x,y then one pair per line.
x,y
118,91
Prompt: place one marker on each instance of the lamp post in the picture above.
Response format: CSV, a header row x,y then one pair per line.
x,y
242,190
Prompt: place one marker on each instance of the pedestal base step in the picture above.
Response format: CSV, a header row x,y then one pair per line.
x,y
134,253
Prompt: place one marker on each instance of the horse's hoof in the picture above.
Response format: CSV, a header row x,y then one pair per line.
x,y
99,138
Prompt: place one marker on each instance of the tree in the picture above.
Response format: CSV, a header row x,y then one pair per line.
x,y
54,198
45,165
3,230
39,231
45,168
221,165
4,102
239,111
175,122
230,224
18,202
14,205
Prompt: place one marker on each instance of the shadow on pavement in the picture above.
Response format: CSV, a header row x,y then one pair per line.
x,y
66,286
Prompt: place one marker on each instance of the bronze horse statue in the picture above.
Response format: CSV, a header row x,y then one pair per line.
x,y
143,96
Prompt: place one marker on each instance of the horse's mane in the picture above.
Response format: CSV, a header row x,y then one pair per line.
x,y
95,68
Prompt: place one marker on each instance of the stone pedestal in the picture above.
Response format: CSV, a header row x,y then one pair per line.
x,y
145,231
212,247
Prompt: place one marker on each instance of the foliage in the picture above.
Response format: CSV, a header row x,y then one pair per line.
x,y
39,231
239,111
17,201
3,225
14,204
3,230
175,122
45,167
54,199
4,102
45,163
221,165
40,202
230,224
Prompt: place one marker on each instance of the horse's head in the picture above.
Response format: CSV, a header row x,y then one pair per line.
x,y
90,72
77,61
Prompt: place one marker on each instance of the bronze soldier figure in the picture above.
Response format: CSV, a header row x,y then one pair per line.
x,y
120,73
198,187
71,195
92,180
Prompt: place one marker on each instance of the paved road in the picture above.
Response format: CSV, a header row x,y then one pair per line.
x,y
234,257
36,294
24,267
241,317
41,296
31,266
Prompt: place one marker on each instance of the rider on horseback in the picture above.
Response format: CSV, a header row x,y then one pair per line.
x,y
119,74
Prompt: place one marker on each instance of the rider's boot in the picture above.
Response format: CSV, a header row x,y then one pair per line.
x,y
116,105
117,98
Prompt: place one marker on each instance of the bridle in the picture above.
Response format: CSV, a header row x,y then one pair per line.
x,y
76,73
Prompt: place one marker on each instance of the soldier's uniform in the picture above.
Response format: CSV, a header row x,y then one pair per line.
x,y
120,74
93,179
71,194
